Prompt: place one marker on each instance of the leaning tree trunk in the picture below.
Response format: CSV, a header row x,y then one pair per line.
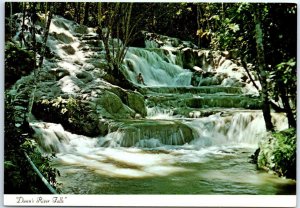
x,y
261,66
45,38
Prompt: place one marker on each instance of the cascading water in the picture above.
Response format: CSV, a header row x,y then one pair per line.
x,y
199,147
156,70
218,154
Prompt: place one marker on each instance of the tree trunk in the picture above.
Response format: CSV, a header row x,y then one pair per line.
x,y
11,20
244,64
33,20
262,72
45,38
23,26
86,13
286,104
77,12
198,25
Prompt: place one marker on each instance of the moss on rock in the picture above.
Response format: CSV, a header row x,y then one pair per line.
x,y
136,102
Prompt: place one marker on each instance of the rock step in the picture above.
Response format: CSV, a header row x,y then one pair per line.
x,y
148,133
194,90
192,113
205,101
95,43
89,37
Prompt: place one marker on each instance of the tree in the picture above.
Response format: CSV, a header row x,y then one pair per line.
x,y
46,32
262,41
262,69
19,176
116,30
86,13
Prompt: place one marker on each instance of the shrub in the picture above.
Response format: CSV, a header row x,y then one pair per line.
x,y
19,177
277,153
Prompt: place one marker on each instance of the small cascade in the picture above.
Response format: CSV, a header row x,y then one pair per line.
x,y
149,133
159,113
157,70
239,128
50,137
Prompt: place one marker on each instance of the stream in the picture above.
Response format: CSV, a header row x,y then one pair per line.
x,y
215,162
195,139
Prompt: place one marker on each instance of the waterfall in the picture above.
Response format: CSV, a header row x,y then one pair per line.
x,y
50,137
150,133
156,69
240,128
215,130
159,113
236,129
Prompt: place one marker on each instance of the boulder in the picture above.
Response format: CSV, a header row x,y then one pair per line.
x,y
84,76
136,102
188,58
62,37
68,49
113,106
60,24
59,73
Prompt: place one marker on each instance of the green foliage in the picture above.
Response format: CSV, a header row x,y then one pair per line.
x,y
285,153
278,153
287,72
67,108
19,177
284,75
70,112
18,62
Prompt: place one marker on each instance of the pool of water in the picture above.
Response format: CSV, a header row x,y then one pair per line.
x,y
224,170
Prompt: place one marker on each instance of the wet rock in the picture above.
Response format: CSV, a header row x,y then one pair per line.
x,y
188,58
69,49
137,116
113,106
136,102
84,76
197,69
226,54
60,24
81,29
60,73
62,37
167,132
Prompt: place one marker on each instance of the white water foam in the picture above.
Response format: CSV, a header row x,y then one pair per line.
x,y
159,113
148,158
156,71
